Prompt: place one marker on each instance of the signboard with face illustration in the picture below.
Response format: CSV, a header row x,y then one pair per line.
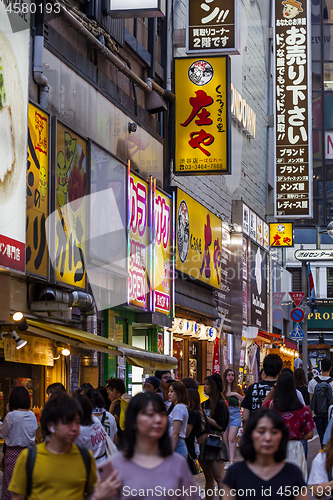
x,y
70,224
14,77
199,238
258,284
212,27
202,121
37,192
293,120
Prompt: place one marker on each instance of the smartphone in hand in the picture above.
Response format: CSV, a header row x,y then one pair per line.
x,y
105,470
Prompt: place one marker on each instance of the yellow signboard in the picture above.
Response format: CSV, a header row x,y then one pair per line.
x,y
199,239
35,352
71,207
138,242
163,238
202,127
281,234
37,192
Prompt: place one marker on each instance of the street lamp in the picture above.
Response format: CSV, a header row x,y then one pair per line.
x,y
329,229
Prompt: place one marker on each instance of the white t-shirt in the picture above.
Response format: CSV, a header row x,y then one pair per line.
x,y
313,383
109,423
300,397
179,412
19,428
318,473
93,438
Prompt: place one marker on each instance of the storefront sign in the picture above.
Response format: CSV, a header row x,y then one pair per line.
x,y
312,255
242,113
35,352
246,220
14,78
202,89
198,235
69,262
258,281
138,242
216,357
293,141
212,27
260,231
133,8
321,320
281,234
37,192
162,252
266,236
253,225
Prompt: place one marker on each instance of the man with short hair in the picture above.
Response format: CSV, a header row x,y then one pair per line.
x,y
116,392
321,420
257,392
151,384
59,470
55,387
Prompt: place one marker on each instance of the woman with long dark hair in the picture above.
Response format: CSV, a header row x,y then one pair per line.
x,y
147,468
178,416
296,416
197,428
321,474
233,395
264,473
212,458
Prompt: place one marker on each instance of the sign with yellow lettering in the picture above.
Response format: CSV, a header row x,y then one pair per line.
x,y
71,207
199,240
202,128
321,319
281,234
162,252
37,192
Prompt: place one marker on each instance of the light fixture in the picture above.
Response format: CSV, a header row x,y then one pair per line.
x,y
330,229
20,321
65,351
19,342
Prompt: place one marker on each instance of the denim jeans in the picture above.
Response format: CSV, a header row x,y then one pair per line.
x,y
181,447
305,446
321,424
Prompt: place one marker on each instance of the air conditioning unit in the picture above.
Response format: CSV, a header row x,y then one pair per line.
x,y
134,8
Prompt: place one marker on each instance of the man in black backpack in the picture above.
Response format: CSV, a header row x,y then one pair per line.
x,y
257,392
320,390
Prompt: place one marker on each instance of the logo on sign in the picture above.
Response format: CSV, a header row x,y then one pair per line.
x,y
200,72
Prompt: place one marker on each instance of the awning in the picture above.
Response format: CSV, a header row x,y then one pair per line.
x,y
269,335
80,338
194,298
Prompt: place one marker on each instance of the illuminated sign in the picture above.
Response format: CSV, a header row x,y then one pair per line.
x,y
133,8
242,113
281,234
162,252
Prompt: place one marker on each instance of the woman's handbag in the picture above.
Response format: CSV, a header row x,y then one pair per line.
x,y
214,440
111,449
192,463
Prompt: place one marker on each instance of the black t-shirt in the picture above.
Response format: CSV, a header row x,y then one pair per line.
x,y
221,415
194,419
286,484
256,394
305,393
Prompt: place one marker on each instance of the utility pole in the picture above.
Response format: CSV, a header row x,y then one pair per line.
x,y
305,322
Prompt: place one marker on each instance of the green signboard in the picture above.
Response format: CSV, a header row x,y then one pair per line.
x,y
321,320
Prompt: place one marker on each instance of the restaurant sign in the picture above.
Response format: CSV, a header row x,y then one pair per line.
x,y
202,128
322,319
292,96
212,27
281,234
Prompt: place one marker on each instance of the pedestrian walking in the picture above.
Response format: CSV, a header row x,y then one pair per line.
x,y
178,416
92,433
214,451
19,431
163,376
119,400
321,397
302,386
321,475
296,416
151,384
233,396
107,420
55,387
147,468
264,473
197,428
256,393
59,470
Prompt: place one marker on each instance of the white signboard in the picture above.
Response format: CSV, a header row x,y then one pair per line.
x,y
134,8
309,255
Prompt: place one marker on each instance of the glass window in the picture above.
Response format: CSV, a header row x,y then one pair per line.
x,y
328,42
327,10
317,179
317,144
329,282
316,110
316,76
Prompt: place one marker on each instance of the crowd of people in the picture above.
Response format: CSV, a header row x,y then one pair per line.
x,y
104,444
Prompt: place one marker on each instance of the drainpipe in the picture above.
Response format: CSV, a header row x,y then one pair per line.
x,y
37,72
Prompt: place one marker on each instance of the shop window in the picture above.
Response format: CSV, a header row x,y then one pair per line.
x,y
179,353
330,282
296,274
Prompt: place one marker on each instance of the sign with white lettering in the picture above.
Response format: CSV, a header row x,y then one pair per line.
x,y
258,287
293,142
311,255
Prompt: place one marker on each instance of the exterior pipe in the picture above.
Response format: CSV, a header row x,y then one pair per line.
x,y
37,72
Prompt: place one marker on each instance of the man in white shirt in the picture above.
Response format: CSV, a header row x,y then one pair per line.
x,y
321,421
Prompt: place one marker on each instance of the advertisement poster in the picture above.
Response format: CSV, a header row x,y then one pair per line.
x,y
138,243
14,78
199,240
35,352
258,287
37,192
71,153
162,252
202,127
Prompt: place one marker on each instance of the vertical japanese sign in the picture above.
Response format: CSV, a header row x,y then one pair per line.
x,y
293,142
212,27
14,78
71,153
202,126
162,252
199,239
37,192
138,242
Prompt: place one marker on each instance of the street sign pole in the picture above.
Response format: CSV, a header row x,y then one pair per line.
x,y
305,324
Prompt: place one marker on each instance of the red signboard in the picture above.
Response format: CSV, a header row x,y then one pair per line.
x,y
297,297
12,253
277,298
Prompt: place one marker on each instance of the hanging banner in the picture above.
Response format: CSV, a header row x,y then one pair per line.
x,y
212,27
216,357
37,192
138,242
71,153
203,128
199,239
162,252
14,82
293,120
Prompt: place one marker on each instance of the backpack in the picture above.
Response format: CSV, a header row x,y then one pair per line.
x,y
259,392
322,397
31,462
